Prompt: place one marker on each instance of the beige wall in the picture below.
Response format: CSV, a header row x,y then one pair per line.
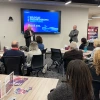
x,y
69,17
95,22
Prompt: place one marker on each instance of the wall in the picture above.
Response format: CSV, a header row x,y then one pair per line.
x,y
95,22
69,17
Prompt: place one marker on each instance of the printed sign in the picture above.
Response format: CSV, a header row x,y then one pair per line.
x,y
92,32
9,83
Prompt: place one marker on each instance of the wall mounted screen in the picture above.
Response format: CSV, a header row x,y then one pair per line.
x,y
41,21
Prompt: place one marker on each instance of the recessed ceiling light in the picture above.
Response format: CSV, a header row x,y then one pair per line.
x,y
96,17
9,0
68,2
90,19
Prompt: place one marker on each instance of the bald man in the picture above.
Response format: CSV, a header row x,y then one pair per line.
x,y
14,51
29,36
74,34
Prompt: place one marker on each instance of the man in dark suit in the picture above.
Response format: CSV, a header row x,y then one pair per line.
x,y
14,52
28,34
72,54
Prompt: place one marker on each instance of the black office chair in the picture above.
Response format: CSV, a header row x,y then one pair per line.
x,y
37,63
56,57
96,87
12,64
90,47
44,52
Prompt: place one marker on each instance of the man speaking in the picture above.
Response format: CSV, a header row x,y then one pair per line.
x,y
74,34
29,36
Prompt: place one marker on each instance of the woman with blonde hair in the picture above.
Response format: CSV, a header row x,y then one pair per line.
x,y
96,61
33,50
95,72
96,45
95,68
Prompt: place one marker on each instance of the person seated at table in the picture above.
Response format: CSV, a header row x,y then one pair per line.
x,y
14,51
78,85
97,47
39,40
83,43
95,68
95,72
72,54
33,50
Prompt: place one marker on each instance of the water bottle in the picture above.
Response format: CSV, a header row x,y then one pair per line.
x,y
85,49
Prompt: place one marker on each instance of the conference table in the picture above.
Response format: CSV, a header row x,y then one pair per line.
x,y
63,51
49,52
40,88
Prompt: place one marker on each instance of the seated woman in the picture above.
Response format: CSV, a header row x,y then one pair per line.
x,y
33,50
95,68
78,85
84,43
40,42
95,71
97,47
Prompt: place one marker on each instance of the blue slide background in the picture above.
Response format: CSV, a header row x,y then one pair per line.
x,y
42,21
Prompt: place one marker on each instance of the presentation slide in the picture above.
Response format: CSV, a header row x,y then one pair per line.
x,y
42,21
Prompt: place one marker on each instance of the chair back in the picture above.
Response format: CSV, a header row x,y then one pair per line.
x,y
37,61
12,64
90,47
56,54
96,86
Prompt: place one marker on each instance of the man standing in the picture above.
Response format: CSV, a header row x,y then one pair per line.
x,y
28,35
74,34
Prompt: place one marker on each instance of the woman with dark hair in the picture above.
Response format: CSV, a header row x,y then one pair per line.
x,y
78,86
83,43
40,42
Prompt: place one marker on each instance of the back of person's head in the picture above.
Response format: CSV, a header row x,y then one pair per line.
x,y
96,60
73,45
97,43
80,79
39,39
33,46
14,44
83,40
29,28
74,27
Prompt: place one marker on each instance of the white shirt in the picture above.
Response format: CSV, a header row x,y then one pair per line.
x,y
31,36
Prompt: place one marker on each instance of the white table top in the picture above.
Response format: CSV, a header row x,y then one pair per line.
x,y
40,88
63,51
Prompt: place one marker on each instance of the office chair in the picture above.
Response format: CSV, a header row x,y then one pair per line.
x,y
56,57
37,63
90,47
12,64
96,87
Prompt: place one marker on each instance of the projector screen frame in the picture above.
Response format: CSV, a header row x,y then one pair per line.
x,y
46,33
